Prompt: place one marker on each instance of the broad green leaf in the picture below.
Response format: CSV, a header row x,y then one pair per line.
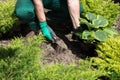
x,y
86,35
103,20
100,17
78,33
90,16
110,31
100,23
99,35
84,21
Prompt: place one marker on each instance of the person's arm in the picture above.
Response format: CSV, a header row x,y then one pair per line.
x,y
39,9
74,10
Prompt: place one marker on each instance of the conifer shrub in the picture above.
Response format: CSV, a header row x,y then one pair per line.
x,y
7,17
109,57
83,71
106,8
22,61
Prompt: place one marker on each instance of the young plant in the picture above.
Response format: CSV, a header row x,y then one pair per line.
x,y
106,8
109,57
7,18
83,71
95,28
20,60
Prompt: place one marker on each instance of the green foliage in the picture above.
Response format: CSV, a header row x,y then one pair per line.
x,y
96,28
83,71
109,57
19,61
106,8
7,18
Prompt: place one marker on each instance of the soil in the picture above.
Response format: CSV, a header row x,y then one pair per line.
x,y
54,53
75,51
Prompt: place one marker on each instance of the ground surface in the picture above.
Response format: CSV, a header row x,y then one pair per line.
x,y
76,50
54,54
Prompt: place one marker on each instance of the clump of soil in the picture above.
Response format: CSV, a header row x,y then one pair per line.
x,y
55,54
76,49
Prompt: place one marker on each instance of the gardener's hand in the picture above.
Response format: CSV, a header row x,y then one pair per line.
x,y
77,30
45,30
52,32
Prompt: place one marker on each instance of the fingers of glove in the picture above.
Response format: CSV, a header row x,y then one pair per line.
x,y
79,29
51,31
46,33
45,30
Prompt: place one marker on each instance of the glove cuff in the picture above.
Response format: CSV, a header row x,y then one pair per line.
x,y
78,29
43,24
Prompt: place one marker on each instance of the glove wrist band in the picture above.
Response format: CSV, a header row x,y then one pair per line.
x,y
43,24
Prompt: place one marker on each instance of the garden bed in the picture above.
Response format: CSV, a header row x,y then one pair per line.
x,y
24,54
76,49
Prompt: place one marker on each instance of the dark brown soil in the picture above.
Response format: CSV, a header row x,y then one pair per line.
x,y
53,53
76,49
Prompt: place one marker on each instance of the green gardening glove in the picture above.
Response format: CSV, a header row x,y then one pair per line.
x,y
81,8
52,32
45,30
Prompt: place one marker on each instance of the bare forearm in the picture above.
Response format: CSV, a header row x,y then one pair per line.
x,y
74,9
39,9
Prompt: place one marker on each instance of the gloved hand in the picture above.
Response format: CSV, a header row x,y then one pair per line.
x,y
47,31
51,32
77,30
81,8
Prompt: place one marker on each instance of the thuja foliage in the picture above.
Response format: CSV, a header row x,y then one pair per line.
x,y
83,71
109,57
7,18
106,8
21,59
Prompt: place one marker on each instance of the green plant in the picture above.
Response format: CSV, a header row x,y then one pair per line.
x,y
83,71
106,8
20,59
96,28
109,57
7,18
